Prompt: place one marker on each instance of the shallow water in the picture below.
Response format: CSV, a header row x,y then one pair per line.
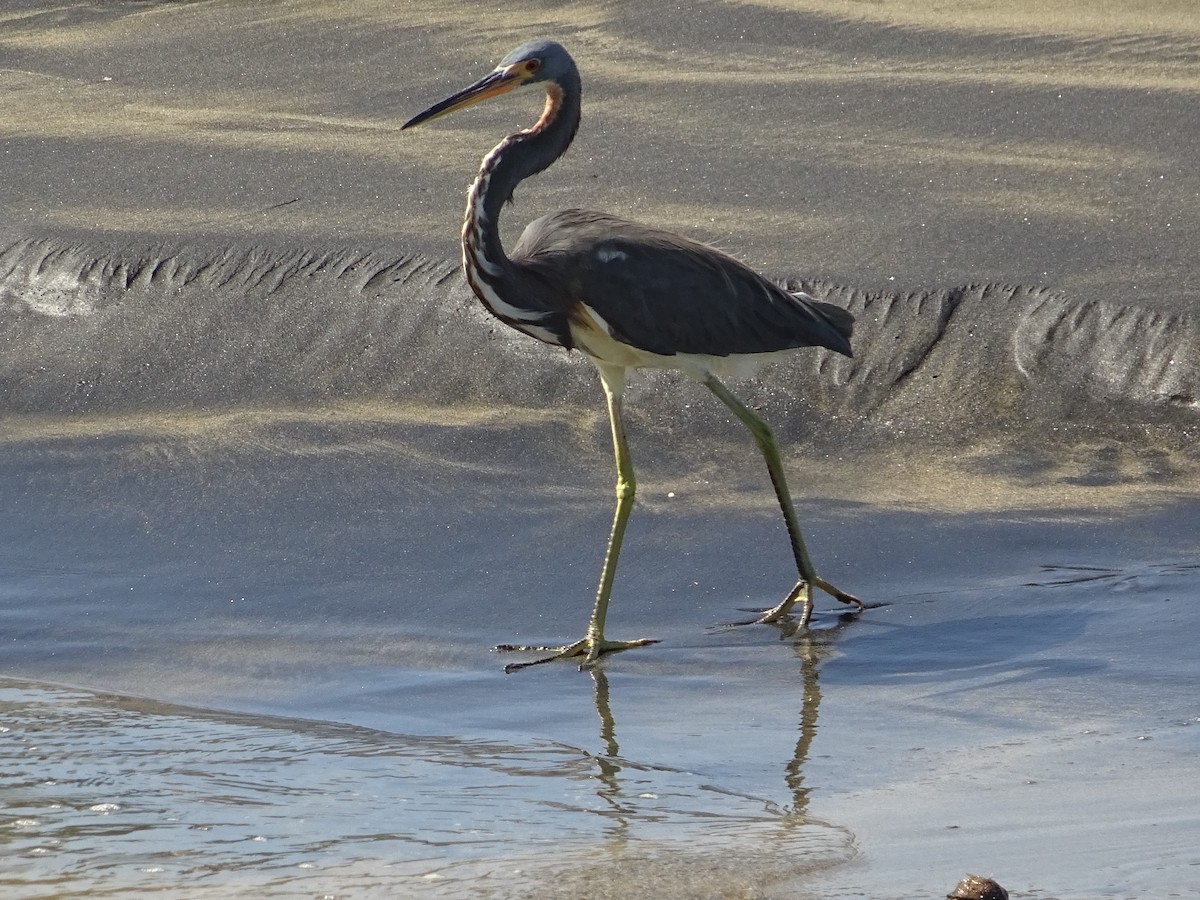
x,y
114,795
306,703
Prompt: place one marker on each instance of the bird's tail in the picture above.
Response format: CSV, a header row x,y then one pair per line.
x,y
839,318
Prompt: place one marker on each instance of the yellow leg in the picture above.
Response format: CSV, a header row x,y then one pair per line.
x,y
765,438
593,643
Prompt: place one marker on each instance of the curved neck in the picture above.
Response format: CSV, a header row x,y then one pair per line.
x,y
517,157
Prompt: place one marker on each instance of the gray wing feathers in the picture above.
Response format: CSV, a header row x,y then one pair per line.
x,y
666,294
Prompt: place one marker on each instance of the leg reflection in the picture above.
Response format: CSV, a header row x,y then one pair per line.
x,y
810,647
608,764
620,783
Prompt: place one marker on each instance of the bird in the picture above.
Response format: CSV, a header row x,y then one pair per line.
x,y
628,296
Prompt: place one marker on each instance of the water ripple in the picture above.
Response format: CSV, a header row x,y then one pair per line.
x,y
108,796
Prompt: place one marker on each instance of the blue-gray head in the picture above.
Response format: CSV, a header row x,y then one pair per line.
x,y
535,62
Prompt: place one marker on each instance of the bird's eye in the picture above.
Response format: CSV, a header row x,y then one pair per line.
x,y
532,65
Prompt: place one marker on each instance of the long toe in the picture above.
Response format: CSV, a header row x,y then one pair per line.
x,y
852,601
590,650
839,595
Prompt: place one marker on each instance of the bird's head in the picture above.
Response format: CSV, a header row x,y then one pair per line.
x,y
534,62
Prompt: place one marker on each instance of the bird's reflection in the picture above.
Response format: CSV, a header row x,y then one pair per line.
x,y
608,764
608,727
608,761
810,647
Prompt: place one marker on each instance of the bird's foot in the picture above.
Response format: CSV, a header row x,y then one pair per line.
x,y
587,650
800,595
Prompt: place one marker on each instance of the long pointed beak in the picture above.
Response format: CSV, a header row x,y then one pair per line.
x,y
498,82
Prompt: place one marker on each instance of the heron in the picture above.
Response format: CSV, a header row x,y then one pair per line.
x,y
628,296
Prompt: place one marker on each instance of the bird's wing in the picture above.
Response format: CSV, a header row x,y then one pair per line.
x,y
667,294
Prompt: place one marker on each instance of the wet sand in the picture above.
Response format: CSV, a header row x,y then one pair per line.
x,y
308,702
271,485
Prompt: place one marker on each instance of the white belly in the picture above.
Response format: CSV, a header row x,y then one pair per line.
x,y
594,338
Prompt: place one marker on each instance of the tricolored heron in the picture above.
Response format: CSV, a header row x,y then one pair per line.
x,y
629,297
